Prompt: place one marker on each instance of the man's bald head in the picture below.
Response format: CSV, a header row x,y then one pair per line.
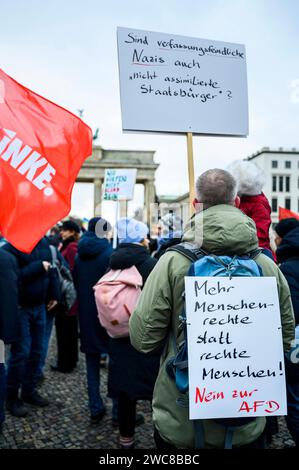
x,y
216,187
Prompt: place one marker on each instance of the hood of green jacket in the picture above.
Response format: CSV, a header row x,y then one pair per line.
x,y
222,229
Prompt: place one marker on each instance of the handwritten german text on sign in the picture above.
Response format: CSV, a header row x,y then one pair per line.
x,y
180,84
236,362
119,184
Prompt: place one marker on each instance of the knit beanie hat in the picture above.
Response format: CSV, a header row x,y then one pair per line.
x,y
131,230
285,226
250,177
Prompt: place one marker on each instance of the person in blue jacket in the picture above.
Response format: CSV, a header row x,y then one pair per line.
x,y
287,241
91,264
9,315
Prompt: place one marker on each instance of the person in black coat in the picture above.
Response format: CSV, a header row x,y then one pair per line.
x,y
132,374
38,283
50,316
9,315
9,305
39,288
91,264
66,320
287,241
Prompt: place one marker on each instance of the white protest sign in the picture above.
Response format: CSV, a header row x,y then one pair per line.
x,y
235,351
119,184
179,84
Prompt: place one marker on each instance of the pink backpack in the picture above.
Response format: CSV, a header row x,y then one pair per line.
x,y
116,296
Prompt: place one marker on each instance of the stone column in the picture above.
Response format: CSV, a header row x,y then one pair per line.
x,y
97,196
149,198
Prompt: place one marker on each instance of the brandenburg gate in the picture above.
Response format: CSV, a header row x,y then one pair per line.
x,y
93,171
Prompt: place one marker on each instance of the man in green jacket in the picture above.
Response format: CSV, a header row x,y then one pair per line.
x,y
218,228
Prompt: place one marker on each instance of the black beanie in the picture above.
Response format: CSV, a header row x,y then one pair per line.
x,y
285,226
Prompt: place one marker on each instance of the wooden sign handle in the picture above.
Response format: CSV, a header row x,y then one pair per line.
x,y
114,244
191,171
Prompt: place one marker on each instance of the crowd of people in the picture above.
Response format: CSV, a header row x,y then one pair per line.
x,y
232,217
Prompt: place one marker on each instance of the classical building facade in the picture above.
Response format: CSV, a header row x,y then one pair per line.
x,y
93,171
281,167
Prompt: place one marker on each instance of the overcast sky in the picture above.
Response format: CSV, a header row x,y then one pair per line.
x,y
66,51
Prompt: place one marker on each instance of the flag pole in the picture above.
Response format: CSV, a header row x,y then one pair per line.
x,y
191,171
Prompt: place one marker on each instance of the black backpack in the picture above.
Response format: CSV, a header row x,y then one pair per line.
x,y
67,287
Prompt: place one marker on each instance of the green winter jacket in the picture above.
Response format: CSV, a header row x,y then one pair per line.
x,y
226,230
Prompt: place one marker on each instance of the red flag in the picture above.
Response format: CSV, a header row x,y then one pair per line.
x,y
42,148
286,214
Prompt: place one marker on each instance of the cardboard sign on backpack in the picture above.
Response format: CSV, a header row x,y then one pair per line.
x,y
235,350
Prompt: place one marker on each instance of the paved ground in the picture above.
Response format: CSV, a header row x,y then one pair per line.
x,y
65,423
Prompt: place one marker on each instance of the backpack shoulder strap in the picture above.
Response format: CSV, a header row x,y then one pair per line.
x,y
190,252
254,253
199,434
